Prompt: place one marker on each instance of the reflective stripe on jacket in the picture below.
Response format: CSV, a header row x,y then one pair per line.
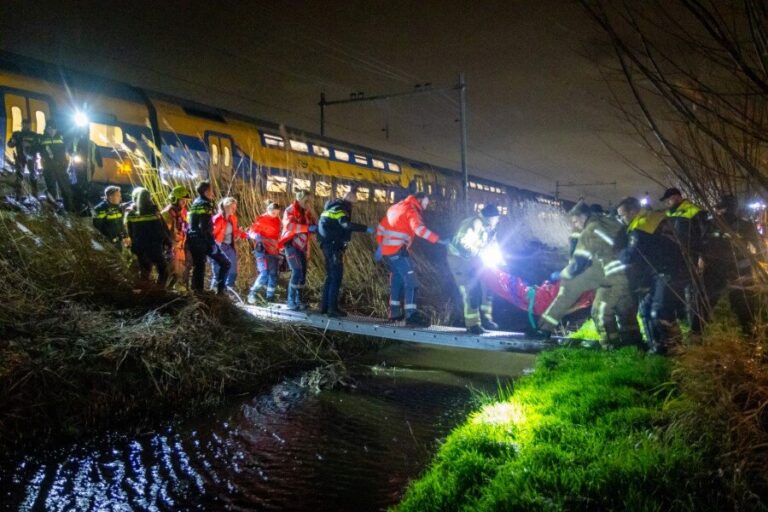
x,y
400,225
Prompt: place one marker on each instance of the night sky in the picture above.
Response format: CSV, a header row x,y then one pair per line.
x,y
538,106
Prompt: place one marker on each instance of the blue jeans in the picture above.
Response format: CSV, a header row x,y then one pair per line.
x,y
402,284
297,262
231,274
267,265
334,271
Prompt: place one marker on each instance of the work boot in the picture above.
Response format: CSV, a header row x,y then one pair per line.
x,y
417,319
337,313
538,334
490,325
475,330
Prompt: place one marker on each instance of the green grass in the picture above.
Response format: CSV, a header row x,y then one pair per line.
x,y
586,431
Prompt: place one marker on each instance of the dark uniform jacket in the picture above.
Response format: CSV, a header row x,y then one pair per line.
x,y
108,219
146,230
335,226
727,243
25,144
53,150
689,222
653,249
200,230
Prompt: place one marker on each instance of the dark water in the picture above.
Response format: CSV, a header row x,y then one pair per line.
x,y
350,449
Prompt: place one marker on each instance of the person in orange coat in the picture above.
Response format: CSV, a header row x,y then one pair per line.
x,y
225,232
298,224
395,234
265,232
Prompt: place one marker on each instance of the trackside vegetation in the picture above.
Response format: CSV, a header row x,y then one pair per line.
x,y
587,430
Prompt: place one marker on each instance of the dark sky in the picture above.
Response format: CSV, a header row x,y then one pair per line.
x,y
538,108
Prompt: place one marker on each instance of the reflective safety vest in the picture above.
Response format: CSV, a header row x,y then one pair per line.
x,y
400,225
689,222
600,243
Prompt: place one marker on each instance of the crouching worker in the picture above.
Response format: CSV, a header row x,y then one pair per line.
x,y
475,235
595,265
108,217
335,231
225,232
200,241
148,235
265,232
298,224
395,234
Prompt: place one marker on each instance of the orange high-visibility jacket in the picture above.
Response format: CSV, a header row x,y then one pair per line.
x,y
220,227
400,225
296,222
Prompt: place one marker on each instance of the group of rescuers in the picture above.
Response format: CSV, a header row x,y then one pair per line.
x,y
656,266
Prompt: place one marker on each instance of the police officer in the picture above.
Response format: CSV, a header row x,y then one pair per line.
x,y
148,235
25,143
335,230
595,265
201,242
475,234
53,153
108,216
658,272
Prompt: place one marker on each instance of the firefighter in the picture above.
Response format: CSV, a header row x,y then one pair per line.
x,y
335,230
394,235
108,217
53,153
200,241
475,234
595,265
175,216
689,222
729,245
265,232
84,159
658,272
25,143
225,232
148,235
298,224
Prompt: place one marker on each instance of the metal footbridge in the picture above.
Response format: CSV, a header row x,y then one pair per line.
x,y
500,341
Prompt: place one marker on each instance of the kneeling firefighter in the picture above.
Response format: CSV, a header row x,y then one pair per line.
x,y
475,235
595,265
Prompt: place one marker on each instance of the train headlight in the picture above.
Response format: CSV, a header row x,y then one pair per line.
x,y
81,120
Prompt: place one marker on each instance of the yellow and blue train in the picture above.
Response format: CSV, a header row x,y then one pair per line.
x,y
186,141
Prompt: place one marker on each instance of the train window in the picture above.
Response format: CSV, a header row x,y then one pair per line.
x,y
227,156
503,210
322,189
472,184
360,159
321,151
301,184
341,155
342,189
274,140
277,184
106,135
443,192
214,149
454,194
479,206
379,195
40,121
16,118
377,163
391,196
429,189
363,193
393,167
301,147
419,184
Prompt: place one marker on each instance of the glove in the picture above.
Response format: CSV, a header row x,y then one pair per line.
x,y
443,242
312,228
377,256
554,276
370,230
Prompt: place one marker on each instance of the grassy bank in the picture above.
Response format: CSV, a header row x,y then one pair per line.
x,y
588,430
81,346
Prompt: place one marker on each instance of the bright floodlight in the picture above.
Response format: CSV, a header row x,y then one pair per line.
x,y
491,256
81,120
77,159
644,201
757,205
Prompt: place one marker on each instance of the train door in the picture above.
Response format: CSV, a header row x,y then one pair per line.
x,y
19,107
220,156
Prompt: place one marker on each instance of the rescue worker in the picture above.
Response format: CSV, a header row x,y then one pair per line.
x,y
335,230
25,144
474,235
394,235
728,246
148,235
298,224
84,159
108,217
657,269
595,265
175,216
53,154
265,232
689,222
200,241
225,232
